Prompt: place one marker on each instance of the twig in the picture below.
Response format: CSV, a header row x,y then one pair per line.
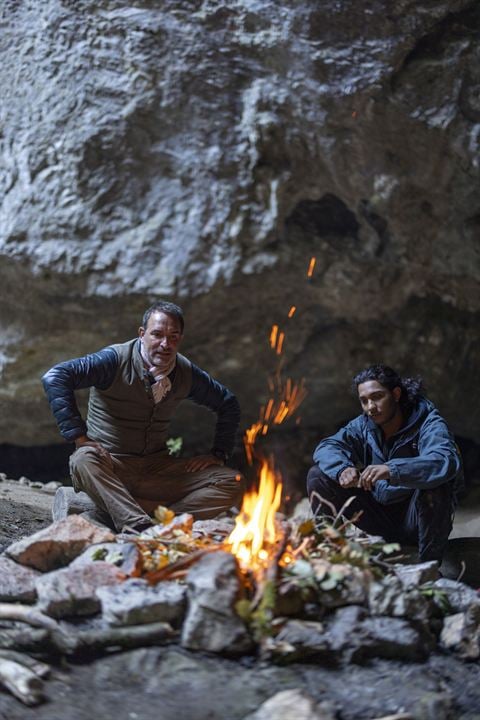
x,y
322,501
462,571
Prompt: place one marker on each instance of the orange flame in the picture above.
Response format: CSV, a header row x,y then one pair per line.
x,y
254,532
291,312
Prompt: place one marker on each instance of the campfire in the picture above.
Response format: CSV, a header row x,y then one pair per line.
x,y
253,539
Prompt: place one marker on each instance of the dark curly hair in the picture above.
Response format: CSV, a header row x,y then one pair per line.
x,y
412,387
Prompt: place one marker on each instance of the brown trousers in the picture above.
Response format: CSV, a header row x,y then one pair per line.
x,y
129,487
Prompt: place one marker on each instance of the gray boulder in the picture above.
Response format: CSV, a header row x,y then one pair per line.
x,y
212,623
135,602
72,591
58,544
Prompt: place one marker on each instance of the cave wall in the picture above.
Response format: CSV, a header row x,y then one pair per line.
x,y
204,151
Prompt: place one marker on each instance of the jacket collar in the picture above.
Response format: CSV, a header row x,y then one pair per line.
x,y
408,429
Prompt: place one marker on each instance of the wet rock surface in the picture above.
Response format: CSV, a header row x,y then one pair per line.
x,y
205,152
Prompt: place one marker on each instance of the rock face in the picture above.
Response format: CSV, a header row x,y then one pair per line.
x,y
205,152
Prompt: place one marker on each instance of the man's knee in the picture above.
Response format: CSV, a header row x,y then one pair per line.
x,y
230,481
318,482
84,465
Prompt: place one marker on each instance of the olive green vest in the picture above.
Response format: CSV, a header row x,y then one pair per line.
x,y
124,418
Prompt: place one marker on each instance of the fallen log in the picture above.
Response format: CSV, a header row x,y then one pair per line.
x,y
32,640
112,638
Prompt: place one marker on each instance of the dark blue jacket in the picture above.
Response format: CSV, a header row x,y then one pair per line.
x,y
421,455
99,370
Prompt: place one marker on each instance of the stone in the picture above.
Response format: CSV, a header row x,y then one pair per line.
x,y
17,582
418,574
461,633
292,704
3,477
135,602
340,132
301,641
58,544
51,487
460,596
71,591
125,556
355,637
388,596
211,623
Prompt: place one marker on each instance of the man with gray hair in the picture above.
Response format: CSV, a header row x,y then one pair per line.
x,y
121,460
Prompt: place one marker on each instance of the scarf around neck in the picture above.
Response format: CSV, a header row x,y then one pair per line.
x,y
162,385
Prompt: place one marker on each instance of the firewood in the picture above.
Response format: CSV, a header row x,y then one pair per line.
x,y
24,684
109,638
26,614
32,640
37,666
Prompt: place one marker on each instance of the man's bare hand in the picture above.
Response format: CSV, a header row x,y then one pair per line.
x,y
372,474
85,440
349,478
200,462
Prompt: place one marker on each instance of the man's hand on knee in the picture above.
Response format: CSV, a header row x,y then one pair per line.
x,y
349,478
201,462
85,441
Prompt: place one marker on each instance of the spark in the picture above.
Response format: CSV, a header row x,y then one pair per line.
x,y
311,267
281,338
273,336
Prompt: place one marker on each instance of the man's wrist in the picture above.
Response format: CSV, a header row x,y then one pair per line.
x,y
81,440
218,453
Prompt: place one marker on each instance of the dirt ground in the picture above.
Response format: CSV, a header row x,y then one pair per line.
x,y
24,510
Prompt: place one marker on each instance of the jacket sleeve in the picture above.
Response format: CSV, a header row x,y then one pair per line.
x,y
342,450
438,459
61,381
387,494
216,397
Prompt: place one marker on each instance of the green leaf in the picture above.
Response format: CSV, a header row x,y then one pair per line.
x,y
99,554
390,548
